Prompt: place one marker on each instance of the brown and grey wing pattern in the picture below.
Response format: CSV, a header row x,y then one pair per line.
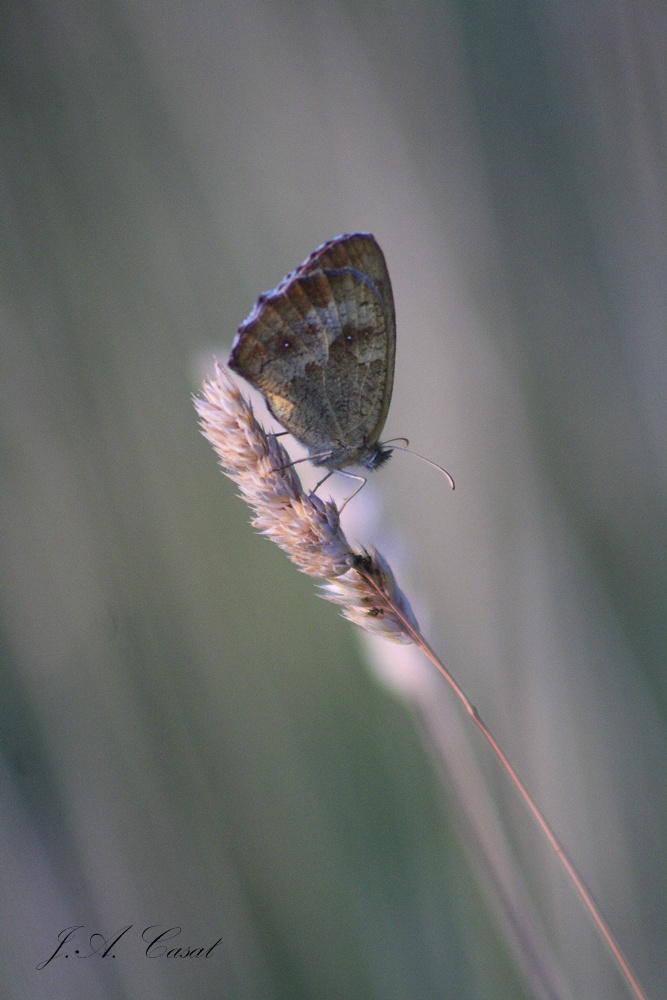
x,y
320,348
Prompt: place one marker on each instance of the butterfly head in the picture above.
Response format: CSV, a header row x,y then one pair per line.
x,y
378,457
336,460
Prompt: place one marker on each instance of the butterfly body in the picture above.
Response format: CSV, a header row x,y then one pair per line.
x,y
320,348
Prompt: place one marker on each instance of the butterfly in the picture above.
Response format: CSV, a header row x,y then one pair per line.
x,y
320,348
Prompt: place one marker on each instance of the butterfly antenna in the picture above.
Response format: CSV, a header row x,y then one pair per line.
x,y
423,458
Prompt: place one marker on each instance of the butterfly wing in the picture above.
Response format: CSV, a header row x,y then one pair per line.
x,y
321,348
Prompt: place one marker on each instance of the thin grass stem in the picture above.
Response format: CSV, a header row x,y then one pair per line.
x,y
360,581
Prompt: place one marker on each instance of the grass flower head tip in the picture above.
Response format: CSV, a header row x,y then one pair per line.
x,y
304,526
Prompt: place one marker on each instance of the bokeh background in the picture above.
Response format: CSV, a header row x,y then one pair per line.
x,y
189,737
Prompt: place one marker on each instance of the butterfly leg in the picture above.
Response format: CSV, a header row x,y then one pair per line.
x,y
323,480
350,475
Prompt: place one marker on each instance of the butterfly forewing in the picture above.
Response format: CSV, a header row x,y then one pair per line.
x,y
320,348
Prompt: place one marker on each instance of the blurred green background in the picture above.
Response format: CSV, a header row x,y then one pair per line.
x,y
189,737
